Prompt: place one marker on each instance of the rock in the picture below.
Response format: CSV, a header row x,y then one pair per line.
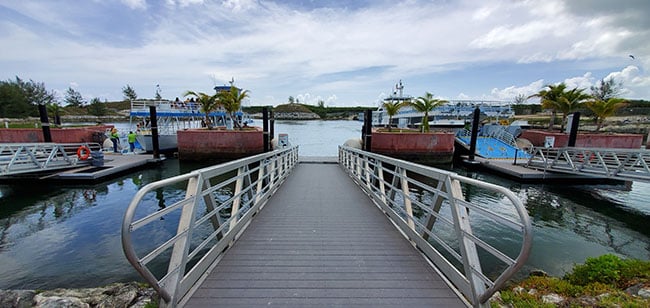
x,y
41,301
16,298
538,273
532,291
552,298
644,292
518,290
638,290
114,295
587,301
496,297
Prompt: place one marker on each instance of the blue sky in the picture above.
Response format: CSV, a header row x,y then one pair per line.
x,y
346,53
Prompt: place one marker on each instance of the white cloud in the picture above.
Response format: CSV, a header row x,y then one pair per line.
x,y
276,50
135,4
635,84
511,92
581,82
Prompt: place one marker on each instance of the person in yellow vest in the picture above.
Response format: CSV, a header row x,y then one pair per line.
x,y
131,138
115,138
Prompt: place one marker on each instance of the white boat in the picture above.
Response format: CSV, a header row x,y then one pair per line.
x,y
172,116
454,113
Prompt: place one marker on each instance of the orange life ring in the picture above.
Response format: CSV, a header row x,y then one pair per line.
x,y
83,152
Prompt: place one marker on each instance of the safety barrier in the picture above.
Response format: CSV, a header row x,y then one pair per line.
x,y
191,251
620,164
429,207
19,158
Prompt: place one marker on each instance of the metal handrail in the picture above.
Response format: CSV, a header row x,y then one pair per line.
x,y
251,182
620,164
445,218
19,158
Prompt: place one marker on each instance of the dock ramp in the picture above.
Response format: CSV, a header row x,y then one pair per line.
x,y
364,229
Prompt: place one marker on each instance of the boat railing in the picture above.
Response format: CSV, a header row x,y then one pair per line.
x,y
429,207
218,204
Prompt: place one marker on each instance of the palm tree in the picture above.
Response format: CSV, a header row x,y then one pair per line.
x,y
550,98
231,100
208,103
570,101
392,107
55,110
604,108
425,104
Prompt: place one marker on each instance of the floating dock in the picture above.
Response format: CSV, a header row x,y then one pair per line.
x,y
508,168
114,165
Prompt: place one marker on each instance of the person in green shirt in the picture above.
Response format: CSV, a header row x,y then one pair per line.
x,y
115,137
131,138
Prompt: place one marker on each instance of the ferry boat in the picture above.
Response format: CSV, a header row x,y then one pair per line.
x,y
453,114
171,117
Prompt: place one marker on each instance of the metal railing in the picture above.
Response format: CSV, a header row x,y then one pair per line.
x,y
191,251
428,206
20,158
621,164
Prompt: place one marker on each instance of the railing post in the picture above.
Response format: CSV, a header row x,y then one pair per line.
x,y
237,200
382,186
367,170
407,199
178,260
468,249
260,181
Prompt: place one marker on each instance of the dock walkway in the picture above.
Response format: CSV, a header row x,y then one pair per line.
x,y
320,241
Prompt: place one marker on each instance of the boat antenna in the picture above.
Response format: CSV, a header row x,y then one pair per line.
x,y
400,88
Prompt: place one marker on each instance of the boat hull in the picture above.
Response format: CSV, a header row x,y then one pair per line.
x,y
166,143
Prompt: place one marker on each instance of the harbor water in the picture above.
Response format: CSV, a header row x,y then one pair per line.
x,y
63,236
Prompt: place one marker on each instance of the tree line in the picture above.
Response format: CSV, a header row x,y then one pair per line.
x,y
19,99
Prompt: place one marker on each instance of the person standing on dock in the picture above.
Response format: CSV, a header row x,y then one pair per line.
x,y
131,138
115,138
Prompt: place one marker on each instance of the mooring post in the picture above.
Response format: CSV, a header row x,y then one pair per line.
x,y
154,132
574,121
265,128
271,126
367,130
45,123
474,137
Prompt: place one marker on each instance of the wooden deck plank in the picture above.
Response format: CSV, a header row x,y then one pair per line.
x,y
321,242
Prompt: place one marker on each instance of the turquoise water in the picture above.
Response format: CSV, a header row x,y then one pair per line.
x,y
69,236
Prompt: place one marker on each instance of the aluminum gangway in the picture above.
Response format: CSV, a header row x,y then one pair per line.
x,y
271,230
21,158
618,164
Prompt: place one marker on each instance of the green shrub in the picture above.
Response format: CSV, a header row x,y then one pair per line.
x,y
604,269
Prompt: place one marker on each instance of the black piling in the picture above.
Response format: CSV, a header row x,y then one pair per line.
x,y
265,128
474,138
154,132
271,126
366,130
573,129
45,123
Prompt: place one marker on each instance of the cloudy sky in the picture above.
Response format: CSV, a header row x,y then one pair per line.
x,y
346,53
